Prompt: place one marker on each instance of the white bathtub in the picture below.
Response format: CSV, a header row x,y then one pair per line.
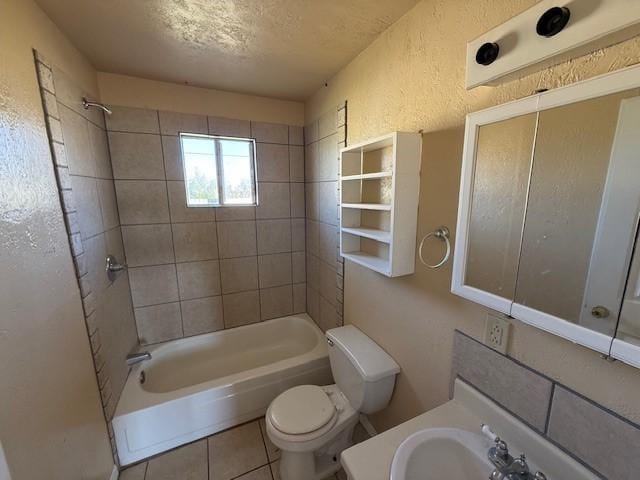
x,y
197,386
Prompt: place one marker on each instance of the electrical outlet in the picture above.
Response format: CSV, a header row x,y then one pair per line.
x,y
496,333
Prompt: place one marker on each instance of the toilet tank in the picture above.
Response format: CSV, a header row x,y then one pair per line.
x,y
363,371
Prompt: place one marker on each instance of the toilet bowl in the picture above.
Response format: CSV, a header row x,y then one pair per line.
x,y
312,425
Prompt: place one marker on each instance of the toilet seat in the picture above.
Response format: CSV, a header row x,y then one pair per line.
x,y
302,410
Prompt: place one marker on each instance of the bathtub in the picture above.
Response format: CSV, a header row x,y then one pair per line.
x,y
194,387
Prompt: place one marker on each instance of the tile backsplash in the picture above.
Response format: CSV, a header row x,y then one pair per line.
x,y
605,442
198,270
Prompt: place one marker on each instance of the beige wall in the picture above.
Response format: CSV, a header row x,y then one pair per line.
x,y
138,92
51,423
411,78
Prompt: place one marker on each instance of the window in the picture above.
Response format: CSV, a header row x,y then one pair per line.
x,y
218,171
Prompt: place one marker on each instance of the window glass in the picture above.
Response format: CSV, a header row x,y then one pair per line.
x,y
219,171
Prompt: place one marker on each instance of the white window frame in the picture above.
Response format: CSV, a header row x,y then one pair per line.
x,y
220,170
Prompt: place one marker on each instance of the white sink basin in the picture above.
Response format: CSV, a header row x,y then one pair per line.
x,y
442,454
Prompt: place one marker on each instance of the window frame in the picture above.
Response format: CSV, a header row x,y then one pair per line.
x,y
220,169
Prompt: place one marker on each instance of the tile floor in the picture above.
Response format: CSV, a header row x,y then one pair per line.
x,y
240,453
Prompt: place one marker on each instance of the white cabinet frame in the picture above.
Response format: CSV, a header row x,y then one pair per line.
x,y
625,79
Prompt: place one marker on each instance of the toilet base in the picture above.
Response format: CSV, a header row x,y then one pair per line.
x,y
316,465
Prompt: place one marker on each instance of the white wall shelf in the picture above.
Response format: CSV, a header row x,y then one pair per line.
x,y
380,185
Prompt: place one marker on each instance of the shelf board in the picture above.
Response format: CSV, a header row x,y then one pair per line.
x,y
380,265
367,206
367,176
372,233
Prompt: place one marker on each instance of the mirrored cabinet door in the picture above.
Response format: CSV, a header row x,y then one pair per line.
x,y
563,265
503,161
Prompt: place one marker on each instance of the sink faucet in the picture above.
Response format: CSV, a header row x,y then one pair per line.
x,y
507,467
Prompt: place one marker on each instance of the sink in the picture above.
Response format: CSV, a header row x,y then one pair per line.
x,y
442,454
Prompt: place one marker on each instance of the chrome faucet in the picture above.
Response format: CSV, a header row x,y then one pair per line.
x,y
507,467
134,358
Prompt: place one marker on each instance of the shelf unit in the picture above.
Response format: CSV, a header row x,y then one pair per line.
x,y
379,188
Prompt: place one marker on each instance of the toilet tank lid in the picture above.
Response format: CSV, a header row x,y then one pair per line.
x,y
367,356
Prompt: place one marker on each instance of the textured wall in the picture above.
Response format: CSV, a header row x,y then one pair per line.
x,y
51,423
411,78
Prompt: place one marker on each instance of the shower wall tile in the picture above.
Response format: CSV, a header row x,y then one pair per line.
x,y
273,162
239,274
75,132
270,132
276,302
300,298
85,190
108,203
202,315
148,245
159,323
195,241
198,279
136,156
172,123
209,262
299,267
100,152
135,120
142,202
274,236
241,308
229,127
172,160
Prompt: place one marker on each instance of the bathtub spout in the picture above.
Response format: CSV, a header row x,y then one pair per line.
x,y
134,358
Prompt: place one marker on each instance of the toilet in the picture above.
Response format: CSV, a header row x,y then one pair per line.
x,y
312,425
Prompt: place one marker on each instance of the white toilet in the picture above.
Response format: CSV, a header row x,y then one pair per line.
x,y
312,425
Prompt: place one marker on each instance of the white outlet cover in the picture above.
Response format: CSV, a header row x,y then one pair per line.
x,y
496,333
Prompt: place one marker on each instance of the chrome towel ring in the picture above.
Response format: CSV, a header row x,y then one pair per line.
x,y
443,234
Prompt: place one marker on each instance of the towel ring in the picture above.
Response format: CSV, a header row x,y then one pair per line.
x,y
443,234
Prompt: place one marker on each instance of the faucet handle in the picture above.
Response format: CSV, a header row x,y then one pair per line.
x,y
539,476
501,446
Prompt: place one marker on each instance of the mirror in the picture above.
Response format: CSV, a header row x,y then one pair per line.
x,y
549,213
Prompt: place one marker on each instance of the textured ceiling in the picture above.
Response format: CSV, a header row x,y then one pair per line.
x,y
276,48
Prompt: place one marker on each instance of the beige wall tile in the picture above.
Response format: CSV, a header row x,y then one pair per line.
x,y
328,202
296,135
172,158
95,252
274,270
235,213
239,274
296,163
313,303
85,193
184,463
77,143
298,234
153,285
311,132
236,451
274,201
297,200
276,302
115,245
100,151
311,162
229,127
148,245
198,279
326,168
158,323
328,243
328,123
241,308
328,315
312,209
178,206
299,268
135,120
300,298
270,132
313,271
136,156
70,94
202,315
172,123
328,283
108,204
142,201
195,241
237,239
274,236
273,162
